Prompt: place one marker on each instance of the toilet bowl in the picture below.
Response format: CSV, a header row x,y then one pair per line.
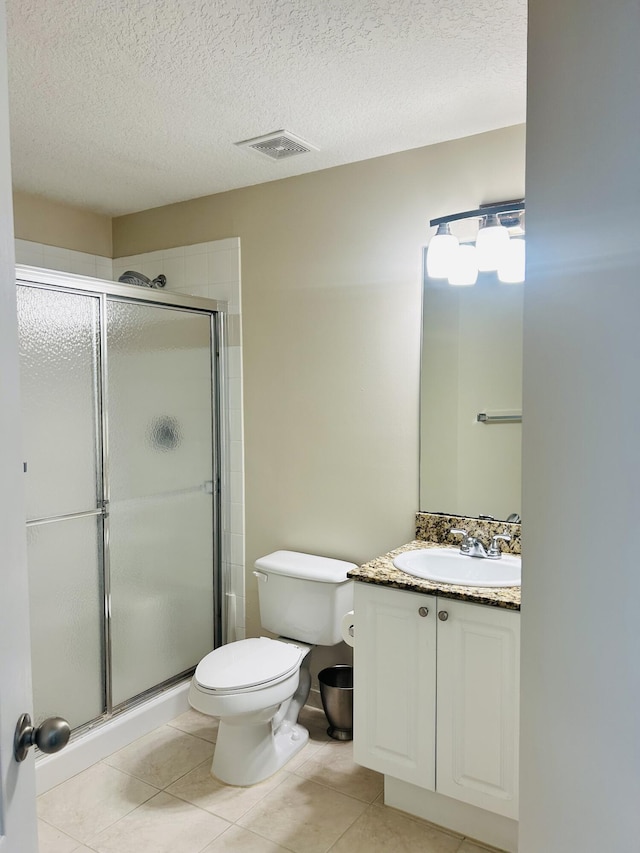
x,y
256,687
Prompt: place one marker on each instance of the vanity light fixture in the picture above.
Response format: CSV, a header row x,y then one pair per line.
x,y
463,269
442,250
491,243
499,245
511,265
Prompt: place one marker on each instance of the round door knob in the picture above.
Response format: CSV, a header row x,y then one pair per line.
x,y
423,611
443,615
52,735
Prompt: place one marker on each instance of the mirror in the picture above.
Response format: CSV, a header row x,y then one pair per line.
x,y
471,364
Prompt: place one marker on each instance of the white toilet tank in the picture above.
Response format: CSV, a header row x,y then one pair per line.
x,y
304,597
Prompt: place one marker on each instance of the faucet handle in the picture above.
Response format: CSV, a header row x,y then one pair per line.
x,y
464,545
494,549
459,531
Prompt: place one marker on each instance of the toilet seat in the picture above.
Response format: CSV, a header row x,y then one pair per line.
x,y
248,665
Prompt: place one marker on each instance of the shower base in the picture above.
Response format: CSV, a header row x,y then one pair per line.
x,y
114,734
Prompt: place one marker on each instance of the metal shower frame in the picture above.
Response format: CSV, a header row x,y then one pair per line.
x,y
82,285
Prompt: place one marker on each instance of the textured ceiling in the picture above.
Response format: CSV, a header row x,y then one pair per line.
x,y
122,105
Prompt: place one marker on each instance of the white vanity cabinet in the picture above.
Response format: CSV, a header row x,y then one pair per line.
x,y
394,666
436,694
477,700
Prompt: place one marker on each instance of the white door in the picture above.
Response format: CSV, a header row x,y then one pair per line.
x,y
394,683
17,782
478,705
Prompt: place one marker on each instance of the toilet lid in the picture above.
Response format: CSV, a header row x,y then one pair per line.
x,y
248,663
308,567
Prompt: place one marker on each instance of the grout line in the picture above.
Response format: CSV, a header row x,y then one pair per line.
x,y
328,787
207,761
334,789
89,843
351,825
193,734
231,823
65,832
422,822
129,774
264,838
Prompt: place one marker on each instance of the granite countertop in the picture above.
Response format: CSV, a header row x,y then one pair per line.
x,y
381,571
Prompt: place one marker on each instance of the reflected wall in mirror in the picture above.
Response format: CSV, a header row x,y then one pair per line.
x,y
471,363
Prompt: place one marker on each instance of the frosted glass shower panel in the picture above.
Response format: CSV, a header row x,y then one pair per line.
x,y
67,611
59,360
161,511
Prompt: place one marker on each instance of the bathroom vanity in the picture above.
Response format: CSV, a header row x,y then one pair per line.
x,y
436,696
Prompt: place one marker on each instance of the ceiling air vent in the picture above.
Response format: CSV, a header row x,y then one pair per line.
x,y
278,145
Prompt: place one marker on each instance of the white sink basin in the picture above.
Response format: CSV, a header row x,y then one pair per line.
x,y
447,565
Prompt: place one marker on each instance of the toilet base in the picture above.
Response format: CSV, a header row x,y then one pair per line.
x,y
248,754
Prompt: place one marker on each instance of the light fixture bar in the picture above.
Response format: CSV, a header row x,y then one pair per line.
x,y
497,208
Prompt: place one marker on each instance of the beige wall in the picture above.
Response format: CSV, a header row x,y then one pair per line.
x,y
44,221
331,298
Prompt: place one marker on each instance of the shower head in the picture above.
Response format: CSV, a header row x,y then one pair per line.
x,y
131,277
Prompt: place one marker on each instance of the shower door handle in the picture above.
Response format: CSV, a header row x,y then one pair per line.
x,y
52,735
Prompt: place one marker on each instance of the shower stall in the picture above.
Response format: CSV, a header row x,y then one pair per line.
x,y
122,448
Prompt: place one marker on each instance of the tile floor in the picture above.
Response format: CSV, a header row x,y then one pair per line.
x,y
158,795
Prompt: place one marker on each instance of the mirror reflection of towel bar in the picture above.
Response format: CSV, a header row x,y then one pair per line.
x,y
487,418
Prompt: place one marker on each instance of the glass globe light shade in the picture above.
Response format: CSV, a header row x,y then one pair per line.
x,y
442,248
491,243
464,267
511,268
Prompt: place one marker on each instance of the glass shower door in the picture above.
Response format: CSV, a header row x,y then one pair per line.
x,y
60,368
161,493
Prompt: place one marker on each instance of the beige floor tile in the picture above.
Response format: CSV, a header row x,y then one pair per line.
x,y
311,748
239,840
315,721
162,756
384,830
334,767
200,788
52,840
162,825
303,816
92,800
194,723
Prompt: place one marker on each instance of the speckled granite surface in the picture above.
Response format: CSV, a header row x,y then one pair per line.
x,y
435,527
381,570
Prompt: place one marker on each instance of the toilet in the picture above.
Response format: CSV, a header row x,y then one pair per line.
x,y
256,687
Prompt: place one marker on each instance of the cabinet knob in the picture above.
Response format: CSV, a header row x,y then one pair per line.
x,y
423,611
443,615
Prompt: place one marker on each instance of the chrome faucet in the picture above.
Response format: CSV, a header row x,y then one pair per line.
x,y
494,552
472,547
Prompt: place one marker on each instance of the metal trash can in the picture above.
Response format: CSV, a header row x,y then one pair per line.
x,y
336,692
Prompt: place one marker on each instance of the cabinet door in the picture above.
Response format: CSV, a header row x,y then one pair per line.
x,y
478,705
394,683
